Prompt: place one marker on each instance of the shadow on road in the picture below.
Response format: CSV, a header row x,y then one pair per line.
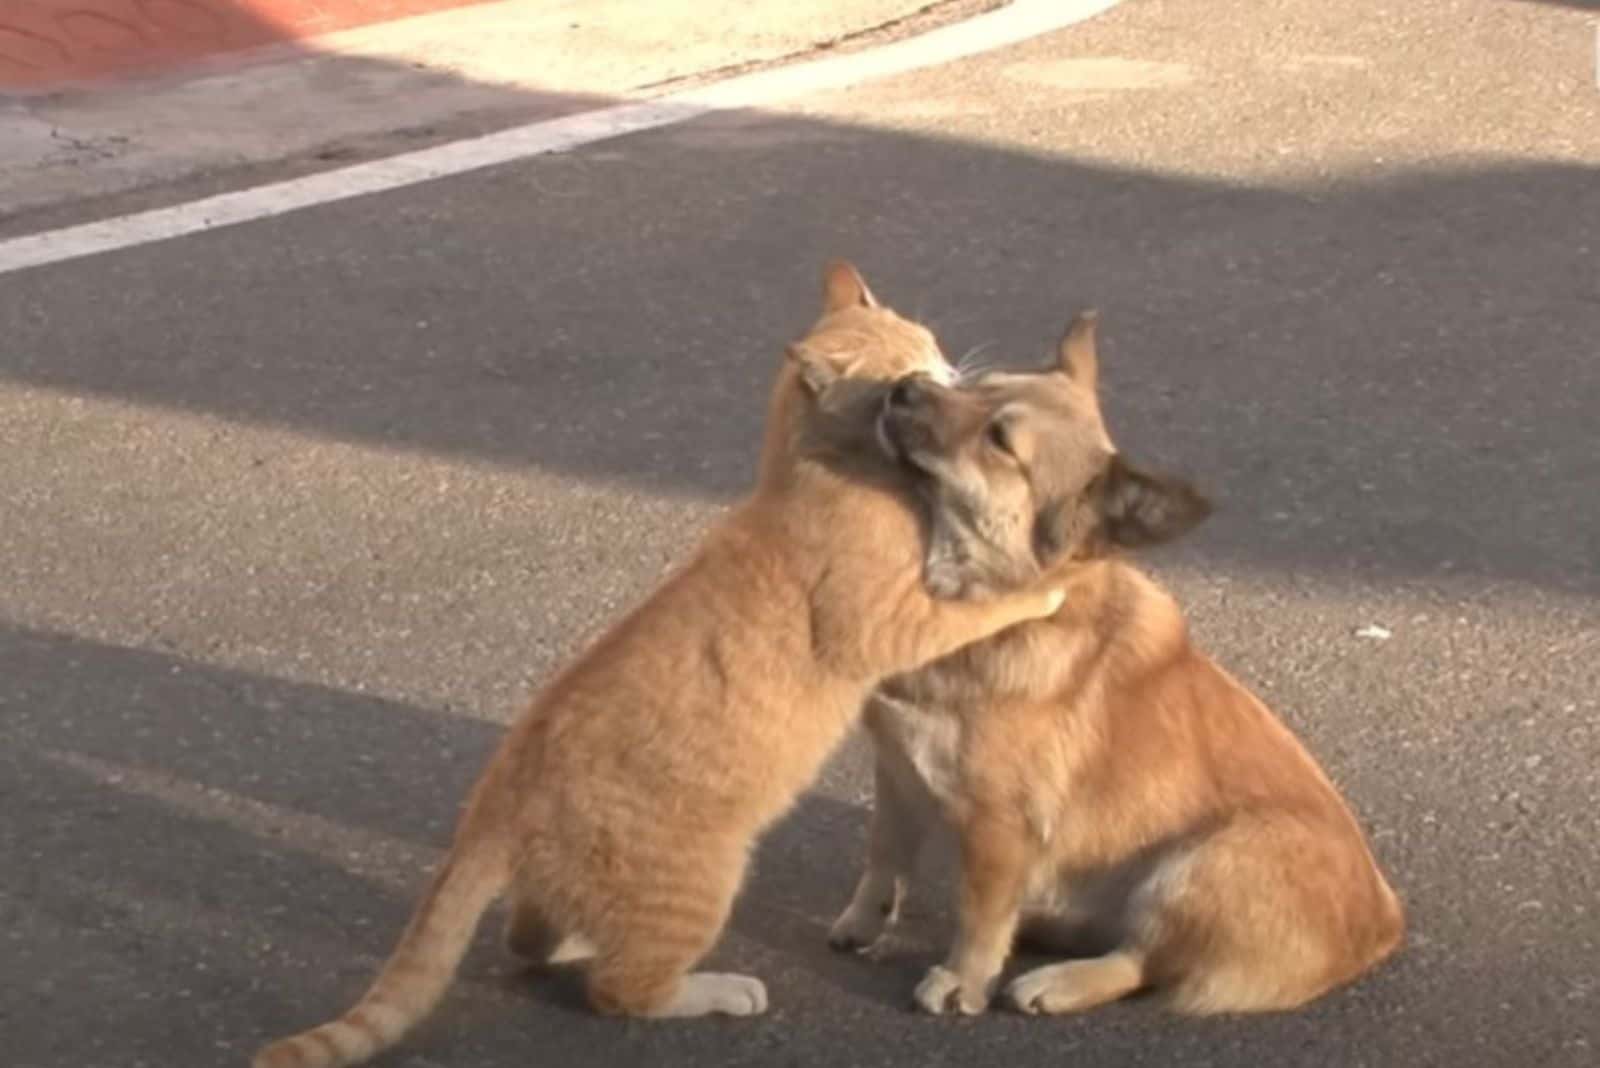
x,y
246,851
184,835
243,851
1401,389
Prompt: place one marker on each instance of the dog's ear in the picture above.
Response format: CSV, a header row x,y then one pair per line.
x,y
843,287
816,372
1076,354
1139,508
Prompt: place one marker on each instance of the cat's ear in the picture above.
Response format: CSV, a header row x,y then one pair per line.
x,y
816,371
843,287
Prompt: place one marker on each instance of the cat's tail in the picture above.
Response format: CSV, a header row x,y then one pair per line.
x,y
418,972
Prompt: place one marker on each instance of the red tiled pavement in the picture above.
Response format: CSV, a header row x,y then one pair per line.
x,y
52,42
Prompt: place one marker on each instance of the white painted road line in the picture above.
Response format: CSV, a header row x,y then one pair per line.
x,y
1007,25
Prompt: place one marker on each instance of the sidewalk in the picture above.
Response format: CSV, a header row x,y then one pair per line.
x,y
349,94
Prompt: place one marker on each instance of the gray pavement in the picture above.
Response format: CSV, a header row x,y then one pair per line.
x,y
295,513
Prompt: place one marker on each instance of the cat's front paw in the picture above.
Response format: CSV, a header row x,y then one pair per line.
x,y
946,571
941,991
945,581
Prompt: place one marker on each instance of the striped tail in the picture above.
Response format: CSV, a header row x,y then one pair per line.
x,y
415,976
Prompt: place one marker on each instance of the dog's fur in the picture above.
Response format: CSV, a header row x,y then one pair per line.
x,y
1118,797
619,810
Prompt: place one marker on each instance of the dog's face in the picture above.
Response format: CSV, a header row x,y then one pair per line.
x,y
1021,475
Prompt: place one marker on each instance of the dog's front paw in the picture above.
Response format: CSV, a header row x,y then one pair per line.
x,y
941,991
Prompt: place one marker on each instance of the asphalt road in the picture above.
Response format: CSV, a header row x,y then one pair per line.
x,y
293,514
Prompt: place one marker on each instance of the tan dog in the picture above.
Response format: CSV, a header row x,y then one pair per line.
x,y
620,809
1117,795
